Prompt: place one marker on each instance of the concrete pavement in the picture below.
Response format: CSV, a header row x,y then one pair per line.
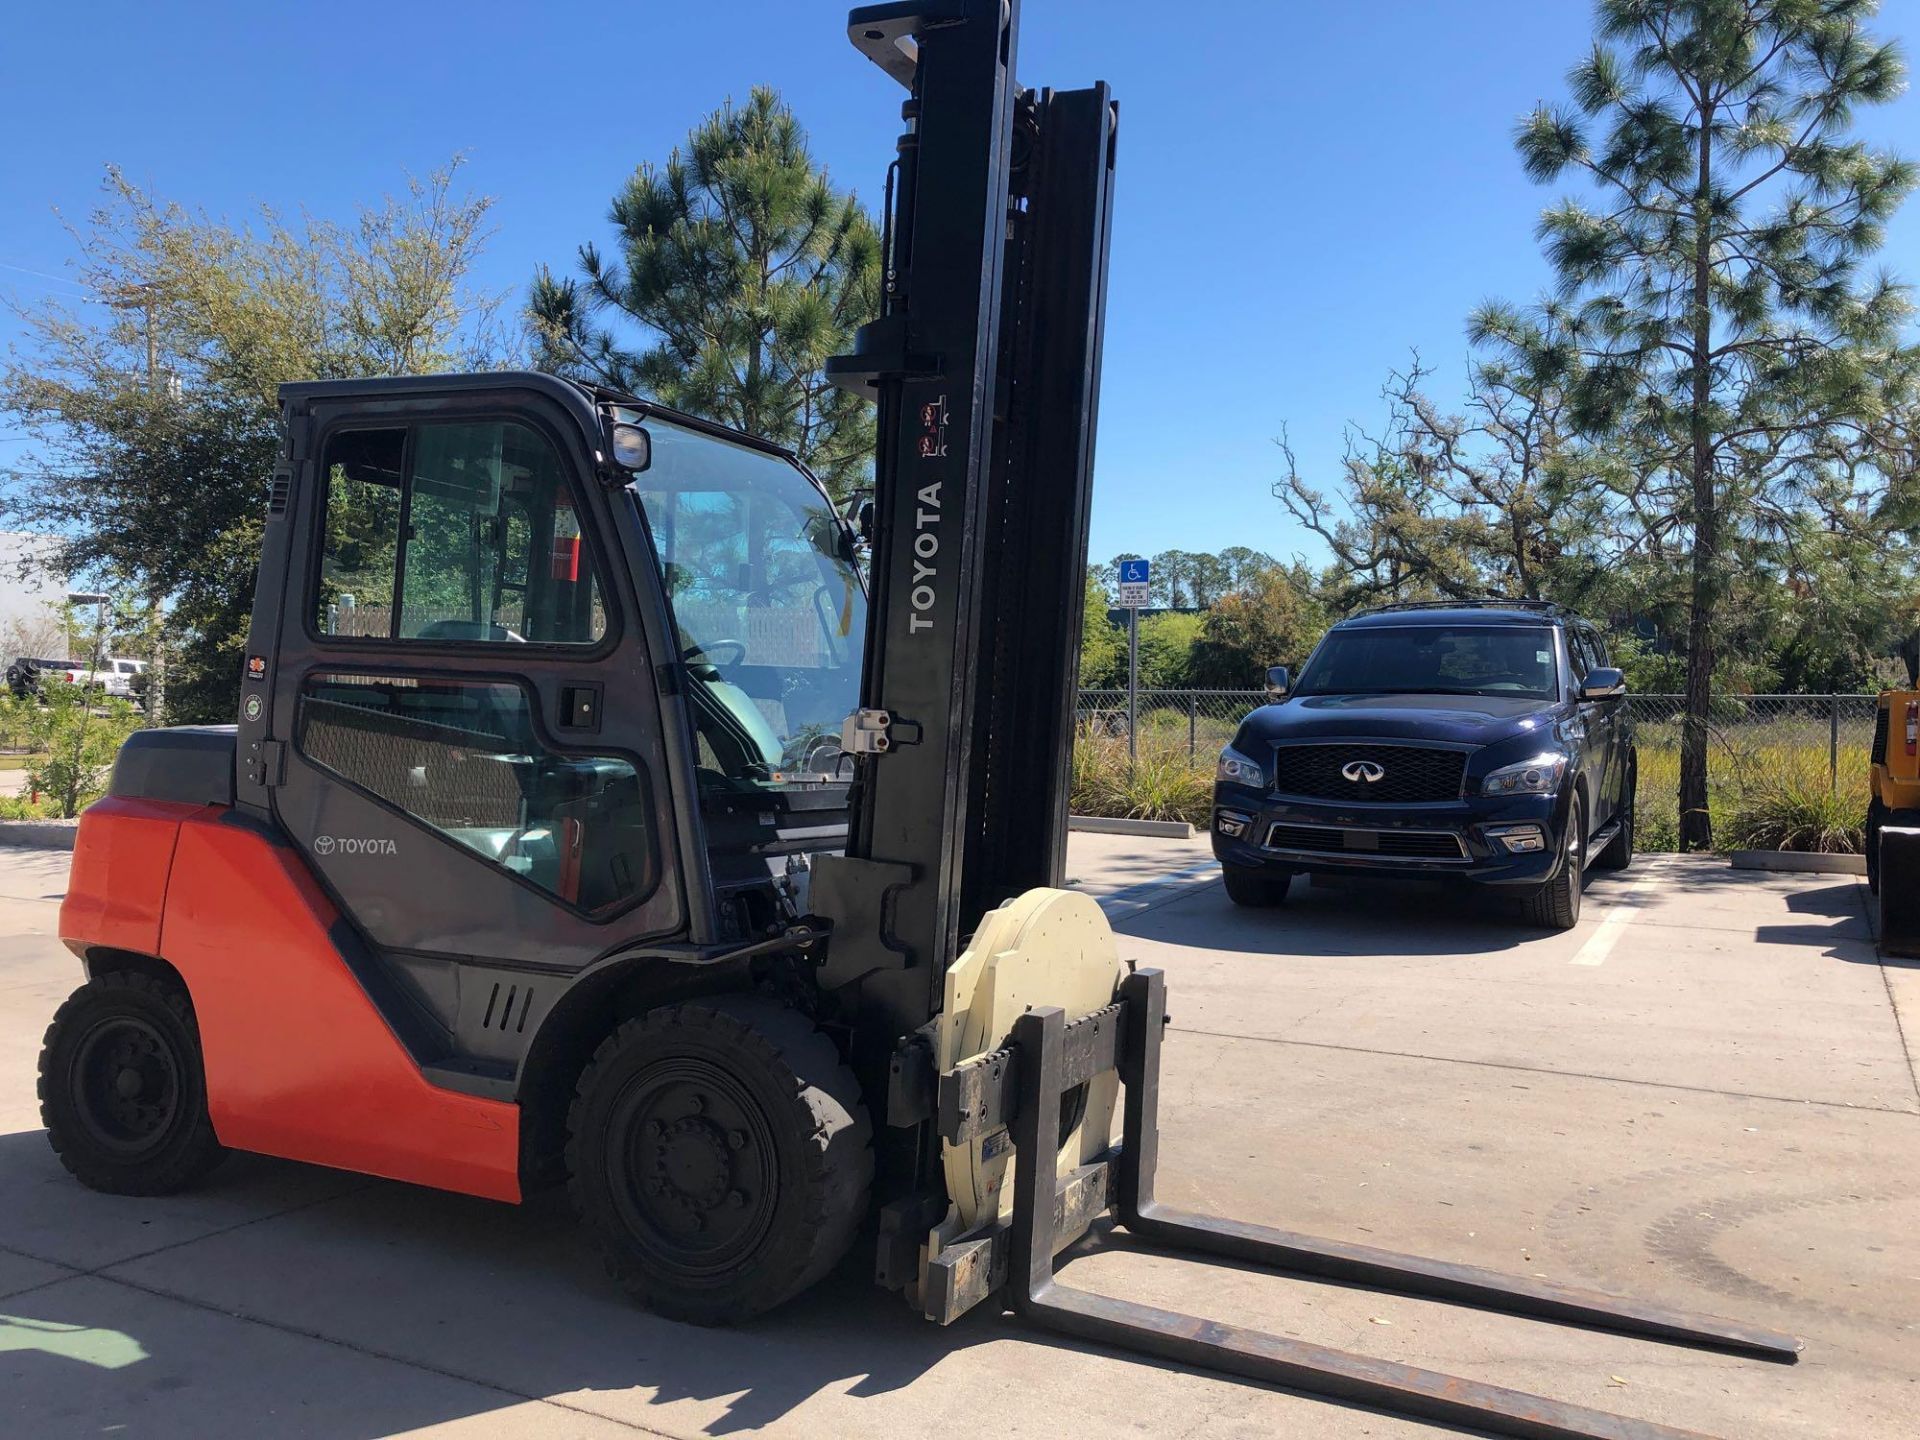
x,y
1702,1096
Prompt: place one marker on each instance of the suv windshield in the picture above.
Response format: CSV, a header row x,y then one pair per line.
x,y
1435,660
769,608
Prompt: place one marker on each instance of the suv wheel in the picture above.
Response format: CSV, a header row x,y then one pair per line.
x,y
1255,888
1619,852
1556,904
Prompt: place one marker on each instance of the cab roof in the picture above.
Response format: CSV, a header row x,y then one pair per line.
x,y
569,392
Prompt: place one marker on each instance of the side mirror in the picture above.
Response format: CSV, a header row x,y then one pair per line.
x,y
1279,682
1603,683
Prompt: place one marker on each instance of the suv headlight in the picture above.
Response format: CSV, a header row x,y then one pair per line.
x,y
1538,776
1238,769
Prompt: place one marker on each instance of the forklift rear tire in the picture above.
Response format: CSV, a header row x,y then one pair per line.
x,y
1255,888
719,1154
123,1091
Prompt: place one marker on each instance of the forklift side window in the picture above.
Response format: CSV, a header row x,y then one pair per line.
x,y
463,757
458,531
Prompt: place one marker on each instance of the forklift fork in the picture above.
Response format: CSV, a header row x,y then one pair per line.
x,y
1022,1087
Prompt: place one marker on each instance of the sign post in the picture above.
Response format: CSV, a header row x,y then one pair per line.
x,y
1135,578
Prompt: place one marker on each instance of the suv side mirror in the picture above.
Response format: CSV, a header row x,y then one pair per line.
x,y
1603,683
1279,682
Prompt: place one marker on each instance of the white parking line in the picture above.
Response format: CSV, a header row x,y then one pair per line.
x,y
1600,944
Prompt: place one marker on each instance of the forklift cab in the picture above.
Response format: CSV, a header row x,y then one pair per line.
x,y
506,638
521,703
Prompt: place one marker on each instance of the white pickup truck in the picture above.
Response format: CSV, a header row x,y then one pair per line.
x,y
115,676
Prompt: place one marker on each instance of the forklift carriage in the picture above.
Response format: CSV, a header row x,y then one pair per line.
x,y
588,817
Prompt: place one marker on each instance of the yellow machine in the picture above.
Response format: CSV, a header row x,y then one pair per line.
x,y
1893,821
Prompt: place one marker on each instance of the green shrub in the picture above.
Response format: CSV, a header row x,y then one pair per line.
x,y
14,719
23,807
1164,783
74,736
1793,812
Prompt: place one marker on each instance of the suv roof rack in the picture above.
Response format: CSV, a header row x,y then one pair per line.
x,y
1551,607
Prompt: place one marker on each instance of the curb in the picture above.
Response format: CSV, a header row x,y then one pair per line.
x,y
39,834
1805,862
1113,825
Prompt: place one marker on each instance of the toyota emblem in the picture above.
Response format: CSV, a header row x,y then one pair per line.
x,y
1362,772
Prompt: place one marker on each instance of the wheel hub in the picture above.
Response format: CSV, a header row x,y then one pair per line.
x,y
693,1157
701,1165
125,1081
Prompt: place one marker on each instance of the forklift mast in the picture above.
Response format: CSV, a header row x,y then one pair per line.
x,y
985,366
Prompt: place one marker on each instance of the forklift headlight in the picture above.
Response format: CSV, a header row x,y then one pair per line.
x,y
632,448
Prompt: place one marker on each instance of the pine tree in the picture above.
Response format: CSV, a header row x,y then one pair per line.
x,y
741,270
1728,331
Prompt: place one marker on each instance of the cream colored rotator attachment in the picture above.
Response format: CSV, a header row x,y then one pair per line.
x,y
1046,947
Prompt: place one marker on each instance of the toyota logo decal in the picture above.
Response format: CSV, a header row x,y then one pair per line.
x,y
1362,772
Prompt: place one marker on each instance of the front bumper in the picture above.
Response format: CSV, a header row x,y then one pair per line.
x,y
1457,840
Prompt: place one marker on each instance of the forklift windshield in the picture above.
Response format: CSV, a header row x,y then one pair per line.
x,y
770,611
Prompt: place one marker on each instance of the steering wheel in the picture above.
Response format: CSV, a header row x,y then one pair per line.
x,y
705,652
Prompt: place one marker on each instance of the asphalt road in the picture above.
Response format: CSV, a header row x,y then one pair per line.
x,y
1702,1096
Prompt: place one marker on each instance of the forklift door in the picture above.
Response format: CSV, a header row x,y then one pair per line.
x,y
471,747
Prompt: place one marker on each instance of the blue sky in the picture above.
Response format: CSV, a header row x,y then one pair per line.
x,y
1307,191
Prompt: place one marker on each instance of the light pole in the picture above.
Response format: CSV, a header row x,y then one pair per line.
x,y
94,598
139,295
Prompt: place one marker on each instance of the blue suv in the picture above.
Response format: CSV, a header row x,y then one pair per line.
x,y
1488,742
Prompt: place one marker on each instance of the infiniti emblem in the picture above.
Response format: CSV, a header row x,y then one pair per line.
x,y
1362,771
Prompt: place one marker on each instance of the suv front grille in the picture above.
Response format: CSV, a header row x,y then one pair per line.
x,y
1409,774
1391,844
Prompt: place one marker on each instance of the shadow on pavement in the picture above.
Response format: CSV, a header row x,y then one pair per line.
x,y
1377,916
502,1297
1850,935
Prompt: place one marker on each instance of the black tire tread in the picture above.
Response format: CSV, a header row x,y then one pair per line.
x,y
1551,906
827,1109
1618,854
1256,889
185,1162
1556,904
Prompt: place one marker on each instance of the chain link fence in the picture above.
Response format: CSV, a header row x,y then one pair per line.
x,y
1748,735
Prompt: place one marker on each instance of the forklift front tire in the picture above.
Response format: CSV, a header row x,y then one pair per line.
x,y
1255,888
719,1155
123,1091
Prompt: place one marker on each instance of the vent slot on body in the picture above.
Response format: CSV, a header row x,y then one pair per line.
x,y
507,1008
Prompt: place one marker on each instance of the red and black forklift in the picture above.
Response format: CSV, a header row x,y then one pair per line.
x,y
590,819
